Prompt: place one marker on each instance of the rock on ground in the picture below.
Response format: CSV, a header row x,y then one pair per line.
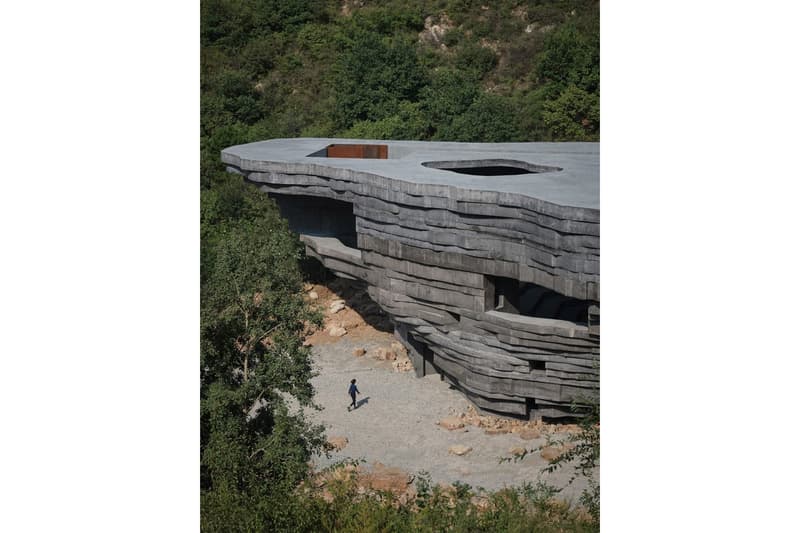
x,y
459,449
337,443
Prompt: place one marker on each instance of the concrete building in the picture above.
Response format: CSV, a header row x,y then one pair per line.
x,y
485,255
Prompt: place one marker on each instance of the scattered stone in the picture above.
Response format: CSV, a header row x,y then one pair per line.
x,y
481,502
385,354
451,423
337,443
516,451
529,434
399,349
403,364
385,478
550,453
358,352
313,295
336,306
459,449
337,331
496,431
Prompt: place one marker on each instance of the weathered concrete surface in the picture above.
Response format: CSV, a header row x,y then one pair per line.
x,y
436,248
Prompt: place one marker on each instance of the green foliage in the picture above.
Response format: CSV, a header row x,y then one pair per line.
x,y
449,95
475,59
283,68
253,449
526,509
571,58
408,123
585,452
490,118
373,75
574,115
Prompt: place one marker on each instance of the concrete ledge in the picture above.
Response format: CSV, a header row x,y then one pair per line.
x,y
432,241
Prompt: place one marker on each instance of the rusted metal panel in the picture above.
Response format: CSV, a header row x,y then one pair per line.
x,y
359,151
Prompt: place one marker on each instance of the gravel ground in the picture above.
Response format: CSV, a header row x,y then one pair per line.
x,y
395,423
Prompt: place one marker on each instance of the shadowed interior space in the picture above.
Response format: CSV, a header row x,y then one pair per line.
x,y
528,299
319,217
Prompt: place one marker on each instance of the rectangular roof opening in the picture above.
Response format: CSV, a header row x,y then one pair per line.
x,y
354,151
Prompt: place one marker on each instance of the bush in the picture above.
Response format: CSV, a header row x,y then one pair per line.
x,y
573,116
490,118
476,59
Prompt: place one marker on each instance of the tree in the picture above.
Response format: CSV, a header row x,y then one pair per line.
x,y
449,94
571,57
573,116
372,76
253,447
490,118
408,123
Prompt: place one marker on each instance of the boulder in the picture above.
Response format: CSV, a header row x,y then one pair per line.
x,y
313,296
336,306
516,451
459,449
403,364
385,354
451,423
336,331
337,443
496,431
529,434
385,478
358,352
399,349
551,453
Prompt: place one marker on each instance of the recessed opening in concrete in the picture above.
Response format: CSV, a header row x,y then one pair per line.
x,y
512,296
490,167
319,217
354,151
537,365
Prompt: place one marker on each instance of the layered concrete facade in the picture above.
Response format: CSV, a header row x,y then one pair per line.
x,y
485,255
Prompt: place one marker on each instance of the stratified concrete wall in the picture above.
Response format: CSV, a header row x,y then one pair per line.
x,y
428,253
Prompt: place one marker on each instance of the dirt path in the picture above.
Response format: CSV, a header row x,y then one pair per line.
x,y
396,423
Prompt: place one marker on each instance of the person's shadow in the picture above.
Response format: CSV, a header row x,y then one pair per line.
x,y
362,401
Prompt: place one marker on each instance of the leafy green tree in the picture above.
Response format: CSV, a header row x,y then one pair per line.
x,y
450,93
573,116
490,118
408,123
475,59
372,76
254,448
571,58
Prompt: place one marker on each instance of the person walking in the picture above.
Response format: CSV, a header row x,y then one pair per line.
x,y
353,391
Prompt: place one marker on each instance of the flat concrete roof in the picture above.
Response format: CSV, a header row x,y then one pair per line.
x,y
577,184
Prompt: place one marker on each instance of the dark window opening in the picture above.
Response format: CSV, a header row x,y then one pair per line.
x,y
530,406
508,295
537,365
354,151
319,217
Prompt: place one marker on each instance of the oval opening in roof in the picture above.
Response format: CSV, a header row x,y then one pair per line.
x,y
490,167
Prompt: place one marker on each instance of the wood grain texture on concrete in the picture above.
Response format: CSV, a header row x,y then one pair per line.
x,y
492,280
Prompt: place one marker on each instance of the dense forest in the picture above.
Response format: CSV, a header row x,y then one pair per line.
x,y
452,70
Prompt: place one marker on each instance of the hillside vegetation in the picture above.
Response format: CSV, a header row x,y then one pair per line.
x,y
448,70
455,70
